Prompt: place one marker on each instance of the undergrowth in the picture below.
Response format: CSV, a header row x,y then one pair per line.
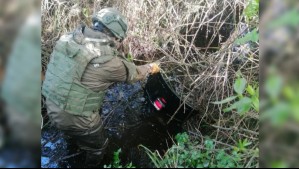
x,y
191,154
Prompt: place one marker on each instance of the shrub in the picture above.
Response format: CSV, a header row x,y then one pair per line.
x,y
190,154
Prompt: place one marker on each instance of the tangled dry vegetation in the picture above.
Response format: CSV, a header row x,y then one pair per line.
x,y
194,42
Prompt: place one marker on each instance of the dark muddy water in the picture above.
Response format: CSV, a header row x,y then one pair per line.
x,y
130,119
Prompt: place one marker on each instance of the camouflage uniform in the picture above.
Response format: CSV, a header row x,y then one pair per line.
x,y
98,75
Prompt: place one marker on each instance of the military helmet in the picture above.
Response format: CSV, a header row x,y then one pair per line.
x,y
113,20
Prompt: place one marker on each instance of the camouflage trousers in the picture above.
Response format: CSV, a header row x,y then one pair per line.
x,y
88,132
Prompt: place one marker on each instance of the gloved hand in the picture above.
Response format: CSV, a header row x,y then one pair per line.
x,y
154,68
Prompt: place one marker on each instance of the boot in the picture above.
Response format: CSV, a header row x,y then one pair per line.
x,y
94,158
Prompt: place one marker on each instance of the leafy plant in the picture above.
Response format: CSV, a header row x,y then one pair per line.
x,y
252,9
289,18
245,101
117,162
282,102
251,13
252,36
242,146
189,154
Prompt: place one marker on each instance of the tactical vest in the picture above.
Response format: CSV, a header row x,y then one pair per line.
x,y
68,62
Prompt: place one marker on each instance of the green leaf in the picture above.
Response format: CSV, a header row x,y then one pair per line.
x,y
209,144
242,106
225,100
295,112
250,90
116,157
206,164
288,92
199,166
182,138
239,85
279,164
256,103
252,9
251,36
243,144
290,18
278,114
273,86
